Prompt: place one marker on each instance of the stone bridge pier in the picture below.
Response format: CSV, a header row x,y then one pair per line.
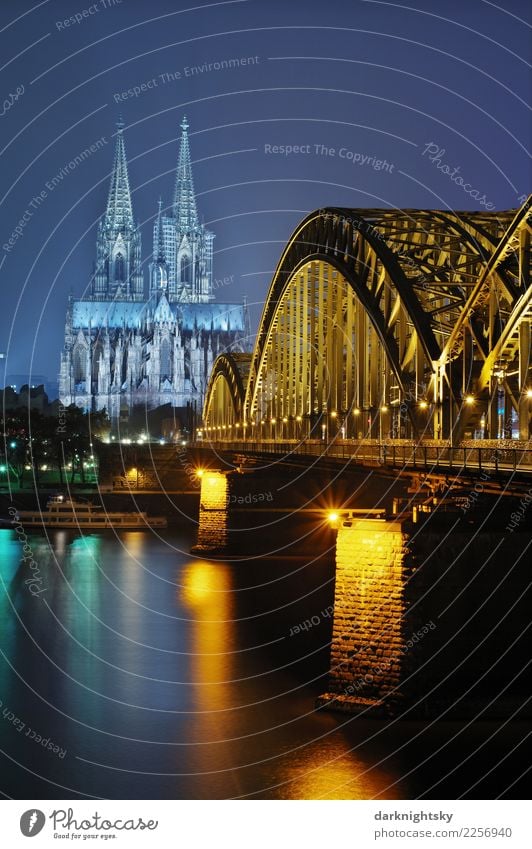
x,y
214,520
374,619
428,617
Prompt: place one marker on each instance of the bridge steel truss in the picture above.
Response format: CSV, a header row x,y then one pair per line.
x,y
226,391
388,323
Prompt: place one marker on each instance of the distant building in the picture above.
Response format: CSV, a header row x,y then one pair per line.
x,y
123,349
31,397
16,381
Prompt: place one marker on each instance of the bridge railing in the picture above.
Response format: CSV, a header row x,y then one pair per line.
x,y
431,455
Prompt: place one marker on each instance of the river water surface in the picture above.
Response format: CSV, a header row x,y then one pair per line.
x,y
140,671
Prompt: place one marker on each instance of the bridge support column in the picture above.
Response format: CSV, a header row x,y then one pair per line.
x,y
213,513
371,628
234,507
429,615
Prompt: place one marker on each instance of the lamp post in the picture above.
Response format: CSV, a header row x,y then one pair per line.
x,y
421,420
356,417
332,428
382,412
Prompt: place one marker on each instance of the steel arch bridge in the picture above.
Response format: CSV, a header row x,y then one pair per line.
x,y
388,324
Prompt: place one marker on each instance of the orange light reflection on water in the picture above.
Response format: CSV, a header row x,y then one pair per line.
x,y
328,770
206,589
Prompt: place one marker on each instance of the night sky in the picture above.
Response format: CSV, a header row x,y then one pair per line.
x,y
362,87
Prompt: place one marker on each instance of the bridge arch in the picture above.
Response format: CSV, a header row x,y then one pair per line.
x,y
384,322
224,401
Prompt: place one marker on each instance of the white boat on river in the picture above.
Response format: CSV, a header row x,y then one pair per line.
x,y
62,512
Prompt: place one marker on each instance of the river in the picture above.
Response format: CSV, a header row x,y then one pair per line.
x,y
131,669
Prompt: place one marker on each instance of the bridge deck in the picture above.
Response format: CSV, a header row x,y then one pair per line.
x,y
473,456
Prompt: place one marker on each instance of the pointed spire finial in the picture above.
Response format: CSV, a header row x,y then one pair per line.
x,y
119,213
120,124
184,198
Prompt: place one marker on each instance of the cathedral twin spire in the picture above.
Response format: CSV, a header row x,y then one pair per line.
x,y
119,213
182,246
118,268
185,211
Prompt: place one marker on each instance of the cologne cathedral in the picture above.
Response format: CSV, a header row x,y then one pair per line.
x,y
126,348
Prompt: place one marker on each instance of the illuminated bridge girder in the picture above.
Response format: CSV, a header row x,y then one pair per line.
x,y
224,401
381,323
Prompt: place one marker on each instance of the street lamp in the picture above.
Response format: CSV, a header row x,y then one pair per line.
x,y
383,410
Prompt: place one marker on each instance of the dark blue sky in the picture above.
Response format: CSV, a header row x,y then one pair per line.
x,y
368,81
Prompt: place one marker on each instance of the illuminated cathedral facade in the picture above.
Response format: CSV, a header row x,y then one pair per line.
x,y
124,348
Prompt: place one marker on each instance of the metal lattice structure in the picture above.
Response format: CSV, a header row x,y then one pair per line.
x,y
389,323
227,390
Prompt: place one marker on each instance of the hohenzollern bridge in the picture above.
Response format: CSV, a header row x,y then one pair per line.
x,y
387,326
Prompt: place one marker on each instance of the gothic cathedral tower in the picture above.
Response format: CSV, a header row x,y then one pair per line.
x,y
118,272
186,243
124,351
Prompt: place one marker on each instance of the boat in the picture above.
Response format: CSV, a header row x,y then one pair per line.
x,y
63,512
